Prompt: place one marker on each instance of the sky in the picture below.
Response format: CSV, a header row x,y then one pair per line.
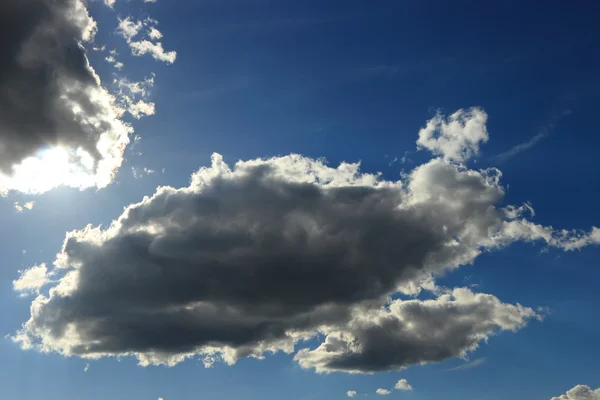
x,y
312,199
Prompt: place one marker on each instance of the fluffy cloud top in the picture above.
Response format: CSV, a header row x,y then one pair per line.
x,y
403,384
382,392
256,257
351,393
580,392
50,97
457,137
32,280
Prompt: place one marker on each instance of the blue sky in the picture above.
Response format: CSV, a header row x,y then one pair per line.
x,y
351,82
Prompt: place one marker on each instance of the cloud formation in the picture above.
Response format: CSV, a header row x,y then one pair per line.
x,y
382,392
456,138
51,97
403,384
131,29
580,392
257,257
351,393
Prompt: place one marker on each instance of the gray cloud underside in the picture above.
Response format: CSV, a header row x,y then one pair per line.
x,y
257,257
49,95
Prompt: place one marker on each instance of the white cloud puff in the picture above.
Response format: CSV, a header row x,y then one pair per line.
x,y
457,137
580,392
403,385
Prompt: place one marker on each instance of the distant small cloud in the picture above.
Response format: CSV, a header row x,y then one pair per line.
x,y
86,368
351,393
26,206
382,392
469,365
403,384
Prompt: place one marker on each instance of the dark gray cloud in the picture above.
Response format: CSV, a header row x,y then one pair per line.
x,y
49,95
257,257
415,332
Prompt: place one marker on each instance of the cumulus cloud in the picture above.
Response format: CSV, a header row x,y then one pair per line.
x,y
50,97
457,137
382,392
32,280
415,332
257,257
403,384
580,392
351,393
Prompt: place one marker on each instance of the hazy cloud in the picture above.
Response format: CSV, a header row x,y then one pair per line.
x,y
469,365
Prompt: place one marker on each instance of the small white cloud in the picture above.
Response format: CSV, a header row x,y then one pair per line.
x,y
26,206
382,392
128,28
456,138
154,33
31,280
351,393
86,368
156,50
403,384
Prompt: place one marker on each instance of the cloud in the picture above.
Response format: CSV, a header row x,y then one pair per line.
x,y
403,384
67,109
130,29
255,258
469,365
32,280
580,392
456,138
86,368
382,392
415,332
351,393
25,206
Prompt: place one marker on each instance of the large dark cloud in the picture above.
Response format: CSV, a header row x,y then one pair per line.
x,y
257,257
49,95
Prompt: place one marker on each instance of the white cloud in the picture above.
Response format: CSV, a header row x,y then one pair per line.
x,y
351,393
32,280
26,206
403,384
156,50
86,368
580,392
382,392
154,33
130,29
456,138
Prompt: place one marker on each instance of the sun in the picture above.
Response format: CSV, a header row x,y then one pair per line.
x,y
50,168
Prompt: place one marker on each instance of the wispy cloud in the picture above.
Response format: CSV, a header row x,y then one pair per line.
x,y
521,147
469,365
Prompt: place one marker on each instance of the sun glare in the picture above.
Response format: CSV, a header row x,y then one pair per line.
x,y
51,168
